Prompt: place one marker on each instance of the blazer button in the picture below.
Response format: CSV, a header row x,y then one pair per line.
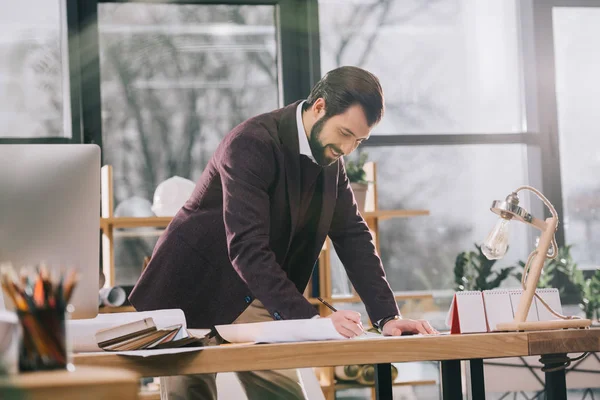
x,y
248,299
276,315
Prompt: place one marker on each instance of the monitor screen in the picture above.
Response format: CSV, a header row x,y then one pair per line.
x,y
50,213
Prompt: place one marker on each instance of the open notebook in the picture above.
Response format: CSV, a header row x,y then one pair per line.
x,y
144,335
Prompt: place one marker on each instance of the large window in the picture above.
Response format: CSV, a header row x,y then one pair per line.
x,y
457,184
33,87
449,69
174,80
577,57
446,66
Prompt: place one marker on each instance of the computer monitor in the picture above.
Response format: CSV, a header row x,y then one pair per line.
x,y
50,212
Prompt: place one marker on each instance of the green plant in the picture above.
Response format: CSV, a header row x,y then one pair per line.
x,y
563,274
473,271
355,169
591,296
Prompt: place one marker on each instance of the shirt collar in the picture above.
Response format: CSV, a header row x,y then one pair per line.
x,y
302,138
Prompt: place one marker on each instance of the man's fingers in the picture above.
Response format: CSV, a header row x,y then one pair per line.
x,y
428,327
345,332
349,330
351,326
420,327
352,316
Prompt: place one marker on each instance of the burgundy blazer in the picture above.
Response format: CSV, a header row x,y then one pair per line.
x,y
228,244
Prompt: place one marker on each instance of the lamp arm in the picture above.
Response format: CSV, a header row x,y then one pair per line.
x,y
539,223
538,259
533,269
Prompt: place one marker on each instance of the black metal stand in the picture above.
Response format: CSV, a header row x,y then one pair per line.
x,y
477,379
556,382
383,382
451,380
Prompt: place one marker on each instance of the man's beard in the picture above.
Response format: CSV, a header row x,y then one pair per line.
x,y
317,148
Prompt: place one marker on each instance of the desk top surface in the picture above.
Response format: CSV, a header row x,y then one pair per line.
x,y
360,351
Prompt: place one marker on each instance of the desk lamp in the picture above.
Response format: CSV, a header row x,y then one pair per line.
x,y
495,247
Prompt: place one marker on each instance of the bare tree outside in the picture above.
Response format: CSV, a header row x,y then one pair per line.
x,y
176,79
422,51
31,70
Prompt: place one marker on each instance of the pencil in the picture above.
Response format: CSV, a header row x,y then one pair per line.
x,y
332,308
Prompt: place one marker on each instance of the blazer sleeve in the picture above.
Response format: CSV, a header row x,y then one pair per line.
x,y
355,247
247,170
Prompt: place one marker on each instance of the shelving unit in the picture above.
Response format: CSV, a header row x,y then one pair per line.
x,y
372,215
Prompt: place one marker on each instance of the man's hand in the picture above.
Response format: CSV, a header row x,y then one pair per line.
x,y
347,323
396,327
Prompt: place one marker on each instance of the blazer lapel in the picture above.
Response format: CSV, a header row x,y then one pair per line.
x,y
330,175
288,133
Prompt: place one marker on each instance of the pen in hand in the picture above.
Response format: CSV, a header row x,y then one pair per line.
x,y
332,308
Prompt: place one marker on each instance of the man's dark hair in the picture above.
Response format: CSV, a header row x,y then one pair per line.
x,y
346,86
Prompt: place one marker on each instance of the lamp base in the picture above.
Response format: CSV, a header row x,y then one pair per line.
x,y
544,325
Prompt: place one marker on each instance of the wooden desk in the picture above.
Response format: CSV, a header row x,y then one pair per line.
x,y
318,354
84,383
449,349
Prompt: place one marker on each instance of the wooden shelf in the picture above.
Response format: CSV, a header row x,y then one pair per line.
x,y
387,214
134,222
162,222
351,385
149,395
400,296
110,310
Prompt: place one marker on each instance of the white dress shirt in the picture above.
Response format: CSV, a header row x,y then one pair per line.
x,y
302,138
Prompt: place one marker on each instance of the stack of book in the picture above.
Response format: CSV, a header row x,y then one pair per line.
x,y
144,335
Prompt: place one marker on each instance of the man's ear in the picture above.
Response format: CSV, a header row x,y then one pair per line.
x,y
319,108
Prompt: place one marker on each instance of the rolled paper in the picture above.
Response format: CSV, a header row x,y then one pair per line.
x,y
347,372
394,373
366,374
113,296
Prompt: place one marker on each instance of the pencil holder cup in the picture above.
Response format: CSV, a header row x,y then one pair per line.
x,y
43,341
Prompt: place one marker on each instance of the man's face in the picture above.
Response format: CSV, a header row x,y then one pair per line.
x,y
333,137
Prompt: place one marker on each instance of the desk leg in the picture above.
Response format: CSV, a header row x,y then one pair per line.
x,y
451,380
383,382
477,379
556,382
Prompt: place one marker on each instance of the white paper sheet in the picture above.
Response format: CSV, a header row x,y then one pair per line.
x,y
81,332
293,330
199,333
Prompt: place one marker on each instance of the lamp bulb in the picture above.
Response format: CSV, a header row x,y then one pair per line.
x,y
495,245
